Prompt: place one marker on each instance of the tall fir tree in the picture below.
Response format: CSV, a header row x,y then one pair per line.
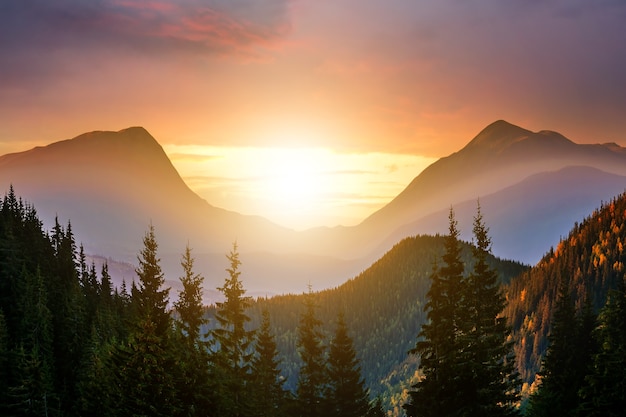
x,y
560,375
189,304
268,395
491,382
346,394
312,379
604,391
151,297
196,391
439,390
234,354
145,368
69,322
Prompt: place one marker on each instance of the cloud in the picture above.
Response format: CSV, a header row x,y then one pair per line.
x,y
36,33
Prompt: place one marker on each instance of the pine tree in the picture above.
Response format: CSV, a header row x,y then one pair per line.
x,y
150,297
347,395
488,367
312,378
196,392
69,318
146,374
268,393
189,305
145,367
604,391
439,390
234,354
558,393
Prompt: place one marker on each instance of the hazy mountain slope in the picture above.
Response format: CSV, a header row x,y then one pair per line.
x,y
527,218
383,308
112,184
498,157
592,257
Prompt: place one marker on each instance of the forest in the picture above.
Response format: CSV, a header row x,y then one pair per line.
x,y
436,322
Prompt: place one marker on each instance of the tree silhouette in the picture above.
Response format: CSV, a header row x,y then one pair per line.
x,y
312,378
347,395
234,354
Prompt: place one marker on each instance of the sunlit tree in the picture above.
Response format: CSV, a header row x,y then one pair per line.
x,y
234,354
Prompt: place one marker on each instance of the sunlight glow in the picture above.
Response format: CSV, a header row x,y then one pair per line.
x,y
296,187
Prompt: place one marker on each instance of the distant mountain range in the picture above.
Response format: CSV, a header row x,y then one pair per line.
x,y
112,185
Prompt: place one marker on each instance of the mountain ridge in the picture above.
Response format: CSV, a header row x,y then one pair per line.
x,y
112,185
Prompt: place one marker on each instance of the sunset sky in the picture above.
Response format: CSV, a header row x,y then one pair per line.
x,y
352,98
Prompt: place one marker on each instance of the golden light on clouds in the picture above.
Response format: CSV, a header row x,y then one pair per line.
x,y
296,187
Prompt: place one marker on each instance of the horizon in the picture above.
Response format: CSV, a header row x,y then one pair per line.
x,y
405,80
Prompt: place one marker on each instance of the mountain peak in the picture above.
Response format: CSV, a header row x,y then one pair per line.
x,y
498,135
501,135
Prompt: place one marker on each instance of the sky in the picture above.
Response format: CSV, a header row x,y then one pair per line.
x,y
352,97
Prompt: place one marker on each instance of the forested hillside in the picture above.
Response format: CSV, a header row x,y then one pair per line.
x,y
591,260
383,309
71,343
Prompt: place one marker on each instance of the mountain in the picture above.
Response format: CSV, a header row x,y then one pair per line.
x,y
526,218
112,185
500,156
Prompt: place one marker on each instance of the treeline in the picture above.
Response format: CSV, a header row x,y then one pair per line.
x,y
72,344
569,320
383,308
466,358
584,370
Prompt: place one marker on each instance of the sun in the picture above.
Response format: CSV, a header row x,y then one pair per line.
x,y
294,179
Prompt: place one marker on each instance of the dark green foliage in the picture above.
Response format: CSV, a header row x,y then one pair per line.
x,y
189,304
346,392
233,356
268,396
493,384
383,310
465,358
150,298
144,367
310,391
147,373
604,391
439,391
558,391
194,387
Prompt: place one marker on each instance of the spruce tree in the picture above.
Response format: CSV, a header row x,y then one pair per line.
x,y
604,391
234,354
150,296
491,382
145,367
189,304
196,393
268,393
312,379
439,391
558,393
346,395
